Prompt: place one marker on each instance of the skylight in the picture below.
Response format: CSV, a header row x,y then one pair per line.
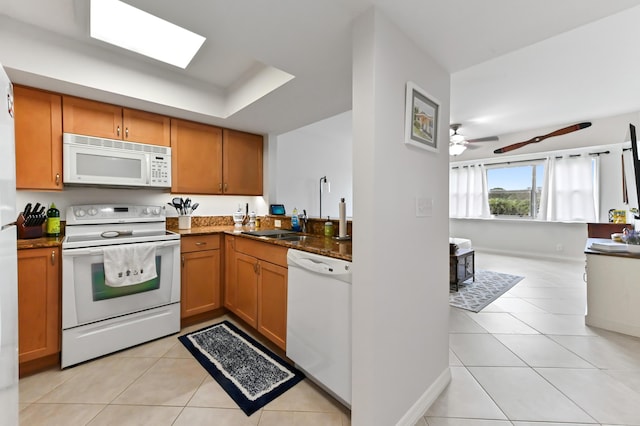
x,y
125,26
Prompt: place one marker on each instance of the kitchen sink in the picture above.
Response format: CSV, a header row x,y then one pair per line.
x,y
272,233
279,234
294,238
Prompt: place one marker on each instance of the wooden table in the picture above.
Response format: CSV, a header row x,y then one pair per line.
x,y
461,267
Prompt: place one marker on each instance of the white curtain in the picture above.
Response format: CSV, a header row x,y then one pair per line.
x,y
569,192
468,192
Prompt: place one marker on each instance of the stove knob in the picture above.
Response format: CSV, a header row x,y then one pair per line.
x,y
156,211
79,213
145,210
92,211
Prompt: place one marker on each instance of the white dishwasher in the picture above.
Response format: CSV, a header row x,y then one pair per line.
x,y
319,320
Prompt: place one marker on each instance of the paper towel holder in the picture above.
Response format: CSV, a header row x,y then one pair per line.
x,y
327,185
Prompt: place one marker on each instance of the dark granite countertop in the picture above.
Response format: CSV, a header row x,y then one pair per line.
x,y
317,244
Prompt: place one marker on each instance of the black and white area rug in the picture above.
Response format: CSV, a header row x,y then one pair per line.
x,y
250,373
487,287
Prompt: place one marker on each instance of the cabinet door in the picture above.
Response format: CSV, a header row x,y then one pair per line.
x,y
196,156
91,118
246,306
242,163
38,127
229,272
200,282
39,321
145,127
272,303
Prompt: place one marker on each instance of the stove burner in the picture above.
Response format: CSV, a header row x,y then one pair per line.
x,y
113,234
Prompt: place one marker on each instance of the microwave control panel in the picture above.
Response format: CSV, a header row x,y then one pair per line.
x,y
160,170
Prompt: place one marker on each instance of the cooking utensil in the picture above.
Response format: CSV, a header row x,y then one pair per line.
x,y
178,203
195,206
27,210
36,208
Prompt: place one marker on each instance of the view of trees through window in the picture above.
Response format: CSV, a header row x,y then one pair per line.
x,y
515,190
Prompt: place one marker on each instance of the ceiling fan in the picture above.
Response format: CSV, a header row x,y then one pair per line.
x,y
536,139
458,143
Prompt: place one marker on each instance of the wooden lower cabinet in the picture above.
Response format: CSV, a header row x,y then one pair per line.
x,y
39,301
246,288
272,303
257,287
200,275
229,272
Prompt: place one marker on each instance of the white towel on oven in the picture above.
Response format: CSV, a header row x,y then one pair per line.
x,y
129,264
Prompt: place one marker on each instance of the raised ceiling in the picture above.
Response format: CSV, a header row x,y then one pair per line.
x,y
515,64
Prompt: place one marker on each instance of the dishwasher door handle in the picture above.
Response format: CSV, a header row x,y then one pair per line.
x,y
310,265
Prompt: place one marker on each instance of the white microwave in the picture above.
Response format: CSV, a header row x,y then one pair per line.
x,y
89,160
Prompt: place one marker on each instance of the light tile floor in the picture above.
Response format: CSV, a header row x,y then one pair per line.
x,y
160,383
525,360
528,358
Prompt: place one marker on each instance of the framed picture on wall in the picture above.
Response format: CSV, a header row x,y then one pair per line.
x,y
421,118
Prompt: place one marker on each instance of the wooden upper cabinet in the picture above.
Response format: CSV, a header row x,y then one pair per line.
x,y
196,156
92,118
146,127
38,133
242,163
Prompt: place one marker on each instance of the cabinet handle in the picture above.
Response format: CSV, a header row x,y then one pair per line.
x,y
126,132
183,261
57,179
118,131
258,268
225,187
220,187
53,257
201,243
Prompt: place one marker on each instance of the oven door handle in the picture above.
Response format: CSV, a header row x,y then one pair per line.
x,y
99,250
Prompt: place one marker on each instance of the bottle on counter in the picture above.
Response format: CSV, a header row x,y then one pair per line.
x,y
295,223
53,221
328,228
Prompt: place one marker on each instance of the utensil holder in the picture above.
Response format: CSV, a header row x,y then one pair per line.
x,y
25,232
184,222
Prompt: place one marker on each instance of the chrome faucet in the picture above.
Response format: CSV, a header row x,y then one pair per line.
x,y
303,220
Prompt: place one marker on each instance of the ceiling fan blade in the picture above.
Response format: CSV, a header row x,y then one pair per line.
x,y
487,139
536,139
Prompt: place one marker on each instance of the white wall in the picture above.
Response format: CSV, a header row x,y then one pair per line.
x,y
400,261
309,153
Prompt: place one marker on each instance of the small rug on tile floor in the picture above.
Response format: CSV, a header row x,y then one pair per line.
x,y
250,373
487,287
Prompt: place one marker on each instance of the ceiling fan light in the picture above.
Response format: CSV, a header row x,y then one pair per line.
x,y
456,149
456,138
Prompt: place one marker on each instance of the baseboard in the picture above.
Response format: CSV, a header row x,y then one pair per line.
x,y
611,325
423,403
526,254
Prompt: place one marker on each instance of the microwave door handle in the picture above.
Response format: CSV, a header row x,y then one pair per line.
x,y
147,168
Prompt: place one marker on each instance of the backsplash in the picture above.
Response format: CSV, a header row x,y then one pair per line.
x,y
314,226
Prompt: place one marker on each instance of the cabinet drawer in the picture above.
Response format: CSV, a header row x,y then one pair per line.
x,y
264,251
199,242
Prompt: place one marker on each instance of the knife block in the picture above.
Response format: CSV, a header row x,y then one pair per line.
x,y
25,232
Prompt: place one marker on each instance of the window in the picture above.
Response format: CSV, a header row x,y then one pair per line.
x,y
515,190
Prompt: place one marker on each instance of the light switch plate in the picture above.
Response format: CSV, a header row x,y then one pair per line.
x,y
424,207
277,223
